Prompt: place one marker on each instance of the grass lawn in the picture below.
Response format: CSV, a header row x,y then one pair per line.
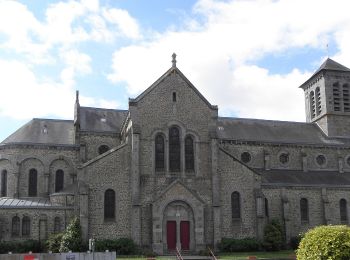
x,y
285,254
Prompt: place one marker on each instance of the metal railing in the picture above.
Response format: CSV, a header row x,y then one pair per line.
x,y
178,255
212,254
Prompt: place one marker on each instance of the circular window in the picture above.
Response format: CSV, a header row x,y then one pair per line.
x,y
284,158
102,149
321,160
246,157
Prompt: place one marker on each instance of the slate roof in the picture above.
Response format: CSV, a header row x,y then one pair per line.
x,y
43,131
101,120
27,203
300,178
270,131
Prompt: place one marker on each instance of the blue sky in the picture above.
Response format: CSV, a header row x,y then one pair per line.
x,y
247,57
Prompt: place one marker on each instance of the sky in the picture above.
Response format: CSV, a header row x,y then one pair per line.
x,y
247,56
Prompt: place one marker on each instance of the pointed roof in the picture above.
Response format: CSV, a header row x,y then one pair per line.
x,y
172,70
328,64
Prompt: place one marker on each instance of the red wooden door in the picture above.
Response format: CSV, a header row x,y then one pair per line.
x,y
185,235
171,234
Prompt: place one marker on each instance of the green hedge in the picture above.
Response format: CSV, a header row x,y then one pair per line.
x,y
20,246
239,245
273,236
325,242
122,246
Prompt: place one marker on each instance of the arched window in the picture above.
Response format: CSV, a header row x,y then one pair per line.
x,y
236,205
15,226
159,151
343,210
109,205
57,225
3,183
304,210
174,149
318,101
102,149
33,183
346,99
312,104
266,208
59,180
336,96
25,226
189,154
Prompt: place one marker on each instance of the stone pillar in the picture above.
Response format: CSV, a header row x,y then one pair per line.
x,y
135,189
216,193
286,214
326,210
304,161
84,210
46,191
260,213
340,164
15,192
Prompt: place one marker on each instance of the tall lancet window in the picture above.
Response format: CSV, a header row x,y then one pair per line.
x,y
312,104
318,101
189,154
174,149
159,152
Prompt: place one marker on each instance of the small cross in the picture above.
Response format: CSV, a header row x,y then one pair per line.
x,y
174,60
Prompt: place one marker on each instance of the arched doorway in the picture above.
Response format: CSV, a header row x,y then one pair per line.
x,y
178,227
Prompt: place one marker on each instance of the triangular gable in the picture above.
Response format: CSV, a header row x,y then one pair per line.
x,y
173,186
166,74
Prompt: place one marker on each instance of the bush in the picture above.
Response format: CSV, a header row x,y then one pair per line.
x,y
239,245
273,236
71,239
122,246
54,242
294,242
20,246
325,242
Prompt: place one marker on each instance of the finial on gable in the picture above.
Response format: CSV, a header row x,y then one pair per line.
x,y
77,96
174,60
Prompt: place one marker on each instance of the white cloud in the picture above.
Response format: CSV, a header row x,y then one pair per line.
x,y
216,54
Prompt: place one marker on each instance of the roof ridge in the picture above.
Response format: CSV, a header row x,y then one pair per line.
x,y
101,108
261,119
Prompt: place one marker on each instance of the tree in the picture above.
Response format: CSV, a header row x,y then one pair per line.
x,y
273,236
71,239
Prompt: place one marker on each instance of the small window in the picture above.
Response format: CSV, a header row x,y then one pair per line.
x,y
102,149
343,210
284,158
304,210
189,154
174,96
59,180
159,152
236,205
321,160
57,225
336,96
33,183
266,208
15,226
25,226
109,205
3,183
246,157
318,101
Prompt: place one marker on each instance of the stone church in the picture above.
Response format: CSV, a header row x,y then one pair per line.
x,y
170,172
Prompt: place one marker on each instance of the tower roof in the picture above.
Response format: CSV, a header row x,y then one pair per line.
x,y
328,64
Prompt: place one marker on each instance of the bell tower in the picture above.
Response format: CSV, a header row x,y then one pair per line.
x,y
327,99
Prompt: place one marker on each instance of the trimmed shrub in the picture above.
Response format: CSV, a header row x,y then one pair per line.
x,y
239,245
273,236
122,246
20,246
54,242
71,239
325,242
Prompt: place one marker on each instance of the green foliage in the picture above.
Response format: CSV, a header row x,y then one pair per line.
x,y
325,242
295,241
53,243
71,239
239,245
122,246
20,246
273,236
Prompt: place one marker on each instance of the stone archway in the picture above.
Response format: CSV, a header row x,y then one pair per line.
x,y
178,227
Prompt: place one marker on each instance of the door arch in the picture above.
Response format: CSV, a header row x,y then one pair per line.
x,y
178,227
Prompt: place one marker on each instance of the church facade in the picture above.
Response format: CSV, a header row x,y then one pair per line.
x,y
170,173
